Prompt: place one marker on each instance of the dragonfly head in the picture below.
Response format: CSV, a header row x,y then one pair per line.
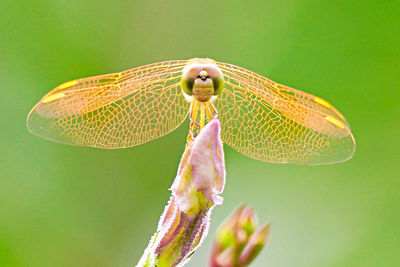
x,y
202,81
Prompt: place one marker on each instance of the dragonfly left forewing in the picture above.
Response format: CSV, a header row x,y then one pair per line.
x,y
114,110
271,122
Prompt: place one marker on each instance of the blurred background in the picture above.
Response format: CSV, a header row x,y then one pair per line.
x,y
72,206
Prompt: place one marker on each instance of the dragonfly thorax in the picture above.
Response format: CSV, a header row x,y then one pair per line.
x,y
202,81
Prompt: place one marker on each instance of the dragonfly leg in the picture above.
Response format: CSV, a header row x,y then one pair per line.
x,y
214,111
189,138
193,122
193,111
194,107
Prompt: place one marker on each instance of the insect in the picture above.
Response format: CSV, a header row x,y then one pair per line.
x,y
260,118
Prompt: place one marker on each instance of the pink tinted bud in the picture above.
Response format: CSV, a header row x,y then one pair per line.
x,y
195,191
253,247
202,169
237,242
208,165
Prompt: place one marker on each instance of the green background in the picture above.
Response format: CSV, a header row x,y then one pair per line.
x,y
71,206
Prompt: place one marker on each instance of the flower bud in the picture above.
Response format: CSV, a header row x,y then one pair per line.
x,y
237,241
195,191
253,247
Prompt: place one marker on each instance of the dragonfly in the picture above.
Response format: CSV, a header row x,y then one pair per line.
x,y
260,118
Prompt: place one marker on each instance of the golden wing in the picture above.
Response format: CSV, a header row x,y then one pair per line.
x,y
113,110
275,123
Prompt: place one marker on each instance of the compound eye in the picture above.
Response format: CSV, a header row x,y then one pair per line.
x,y
217,77
187,85
192,71
213,71
218,84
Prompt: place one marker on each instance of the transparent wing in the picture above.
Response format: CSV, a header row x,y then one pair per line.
x,y
114,110
275,123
